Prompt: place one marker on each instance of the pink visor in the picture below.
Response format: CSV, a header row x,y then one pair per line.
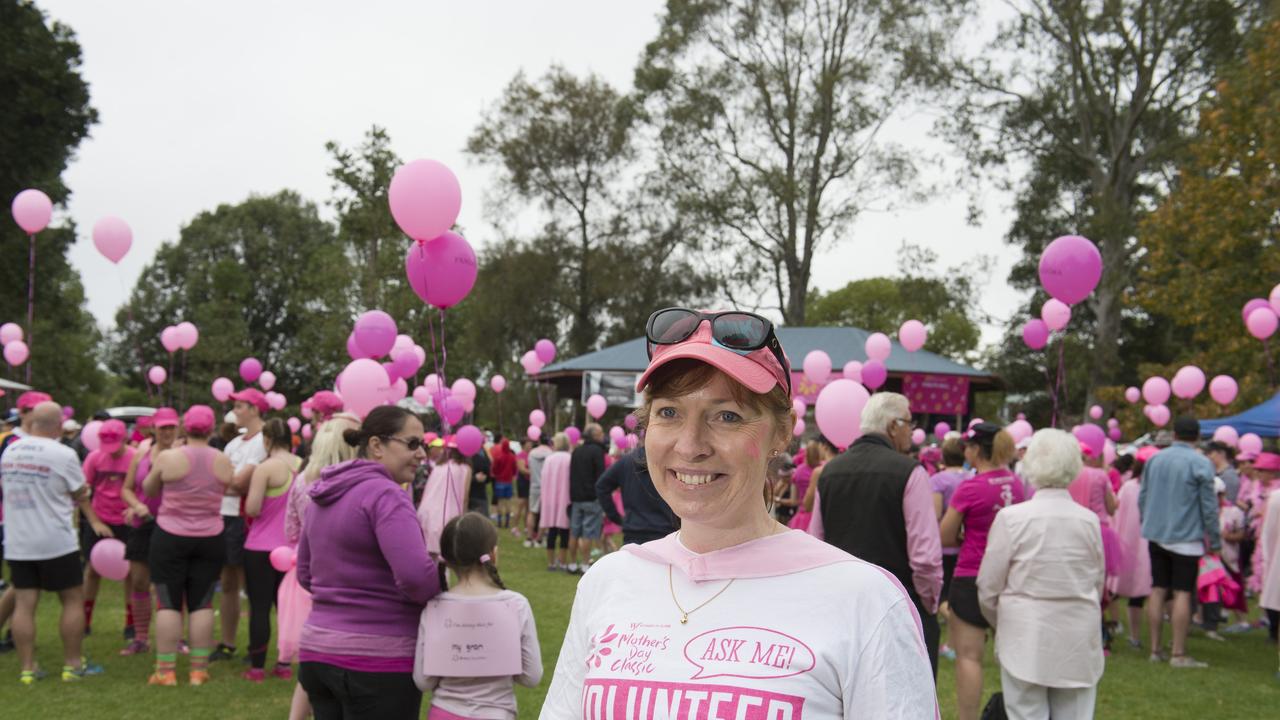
x,y
758,370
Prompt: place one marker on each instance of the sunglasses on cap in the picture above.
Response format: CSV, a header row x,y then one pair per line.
x,y
734,330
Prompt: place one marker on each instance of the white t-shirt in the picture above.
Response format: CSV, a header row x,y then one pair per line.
x,y
39,475
805,632
242,453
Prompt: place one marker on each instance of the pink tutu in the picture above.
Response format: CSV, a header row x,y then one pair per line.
x,y
293,605
1112,551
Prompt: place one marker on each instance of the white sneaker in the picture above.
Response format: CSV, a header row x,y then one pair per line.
x,y
527,543
572,567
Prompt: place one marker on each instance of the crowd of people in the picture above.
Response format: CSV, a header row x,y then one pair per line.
x,y
351,547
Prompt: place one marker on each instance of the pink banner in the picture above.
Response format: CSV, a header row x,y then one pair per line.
x,y
937,394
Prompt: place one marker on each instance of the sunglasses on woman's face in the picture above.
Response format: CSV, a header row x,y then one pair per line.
x,y
412,444
734,330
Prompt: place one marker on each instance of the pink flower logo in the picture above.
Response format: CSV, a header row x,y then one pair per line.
x,y
599,649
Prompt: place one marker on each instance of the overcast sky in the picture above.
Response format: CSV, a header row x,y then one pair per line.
x,y
203,103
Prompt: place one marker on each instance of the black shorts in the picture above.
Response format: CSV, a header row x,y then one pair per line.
x,y
89,538
948,571
185,569
522,487
964,601
1172,571
233,534
138,548
55,575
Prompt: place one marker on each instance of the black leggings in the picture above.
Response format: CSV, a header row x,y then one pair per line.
x,y
1273,623
561,533
262,582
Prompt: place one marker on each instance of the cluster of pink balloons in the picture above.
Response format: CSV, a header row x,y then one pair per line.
x,y
542,354
425,200
182,336
1070,268
1262,316
16,351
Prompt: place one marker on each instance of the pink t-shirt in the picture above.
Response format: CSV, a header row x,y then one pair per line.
x,y
105,474
978,499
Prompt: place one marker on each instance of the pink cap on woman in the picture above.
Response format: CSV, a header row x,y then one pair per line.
x,y
759,370
165,417
198,419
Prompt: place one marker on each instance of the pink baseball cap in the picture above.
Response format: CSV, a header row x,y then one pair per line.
x,y
758,370
1246,457
1146,452
198,419
165,417
253,397
326,402
111,435
1267,461
32,398
145,421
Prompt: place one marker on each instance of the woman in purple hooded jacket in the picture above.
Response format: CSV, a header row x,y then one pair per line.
x,y
364,560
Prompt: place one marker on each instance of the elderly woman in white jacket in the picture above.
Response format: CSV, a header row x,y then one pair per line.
x,y
1040,587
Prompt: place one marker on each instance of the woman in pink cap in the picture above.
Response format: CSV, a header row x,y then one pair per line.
x,y
142,515
676,627
105,470
187,549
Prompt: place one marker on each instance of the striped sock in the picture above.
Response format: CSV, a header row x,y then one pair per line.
x,y
166,662
141,604
199,659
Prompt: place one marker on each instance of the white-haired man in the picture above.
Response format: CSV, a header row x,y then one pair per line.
x,y
875,502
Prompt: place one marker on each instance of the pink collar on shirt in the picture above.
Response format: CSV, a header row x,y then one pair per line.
x,y
781,554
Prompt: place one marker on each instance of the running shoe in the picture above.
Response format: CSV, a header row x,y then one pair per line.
x,y
30,677
1186,661
70,674
222,652
90,668
198,678
255,675
135,647
1240,627
282,672
527,543
163,679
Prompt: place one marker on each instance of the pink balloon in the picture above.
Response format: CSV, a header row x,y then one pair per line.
x,y
633,440
1250,443
912,336
398,391
403,342
1252,305
353,350
940,430
534,433
469,440
89,435
545,350
853,371
422,355
405,361
1223,389
432,384
32,210
1020,430
1115,433
1156,391
1227,434
1262,323
1133,394
10,332
112,237
425,199
817,366
1035,333
596,405
157,375
464,390
107,558
294,424
537,418
222,389
616,433
630,422
452,409
1274,299
365,385
250,369
169,340
530,362
917,435
1055,313
443,271
375,333
877,347
421,395
798,406
1095,412
267,380
839,411
574,435
874,373
1112,422
1188,382
306,431
497,383
282,558
16,352
1070,268
1159,415
188,335
798,429
1092,436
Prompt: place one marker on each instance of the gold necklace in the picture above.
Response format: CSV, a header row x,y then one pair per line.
x,y
684,614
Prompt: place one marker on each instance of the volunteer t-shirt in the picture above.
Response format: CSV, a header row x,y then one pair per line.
x,y
39,475
978,499
242,453
105,474
856,650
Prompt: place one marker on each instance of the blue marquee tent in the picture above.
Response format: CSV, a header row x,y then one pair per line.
x,y
1262,420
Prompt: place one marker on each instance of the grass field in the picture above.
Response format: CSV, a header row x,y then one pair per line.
x,y
1238,684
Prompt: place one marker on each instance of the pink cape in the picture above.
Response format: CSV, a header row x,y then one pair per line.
x,y
555,491
1134,577
442,500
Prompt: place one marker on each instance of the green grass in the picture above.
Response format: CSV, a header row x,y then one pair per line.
x,y
1238,684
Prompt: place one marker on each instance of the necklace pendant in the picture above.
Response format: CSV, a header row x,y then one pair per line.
x,y
684,619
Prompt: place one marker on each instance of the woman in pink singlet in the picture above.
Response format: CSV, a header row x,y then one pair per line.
x,y
804,513
187,548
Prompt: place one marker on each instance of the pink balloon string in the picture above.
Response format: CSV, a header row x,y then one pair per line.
x,y
31,302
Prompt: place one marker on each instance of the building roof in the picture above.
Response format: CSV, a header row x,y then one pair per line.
x,y
841,343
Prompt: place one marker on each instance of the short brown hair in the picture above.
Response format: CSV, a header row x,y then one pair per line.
x,y
953,451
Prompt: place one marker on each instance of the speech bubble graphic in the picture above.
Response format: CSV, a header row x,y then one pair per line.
x,y
748,652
